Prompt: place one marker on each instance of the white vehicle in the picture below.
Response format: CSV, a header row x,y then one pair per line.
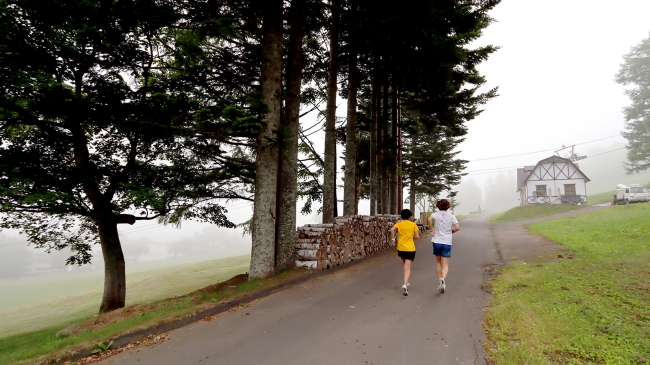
x,y
634,193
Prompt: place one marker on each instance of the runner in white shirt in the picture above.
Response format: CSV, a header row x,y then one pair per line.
x,y
445,225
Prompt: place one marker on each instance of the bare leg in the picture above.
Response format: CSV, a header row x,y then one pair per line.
x,y
407,270
439,267
444,267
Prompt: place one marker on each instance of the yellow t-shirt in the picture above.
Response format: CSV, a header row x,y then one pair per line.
x,y
405,231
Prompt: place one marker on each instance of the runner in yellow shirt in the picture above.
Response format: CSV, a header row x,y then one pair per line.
x,y
406,232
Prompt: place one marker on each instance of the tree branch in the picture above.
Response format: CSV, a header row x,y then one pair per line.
x,y
311,148
119,177
30,120
312,175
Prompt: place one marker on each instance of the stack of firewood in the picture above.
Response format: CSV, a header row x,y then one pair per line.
x,y
322,246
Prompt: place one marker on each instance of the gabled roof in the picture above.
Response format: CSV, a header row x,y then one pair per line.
x,y
523,174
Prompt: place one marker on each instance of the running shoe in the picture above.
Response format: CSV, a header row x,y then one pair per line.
x,y
442,286
405,290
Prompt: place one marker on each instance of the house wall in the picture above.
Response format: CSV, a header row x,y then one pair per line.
x,y
581,186
554,176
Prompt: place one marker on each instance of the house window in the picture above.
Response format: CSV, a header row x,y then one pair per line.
x,y
570,189
540,190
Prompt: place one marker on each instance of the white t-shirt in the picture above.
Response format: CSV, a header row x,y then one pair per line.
x,y
444,223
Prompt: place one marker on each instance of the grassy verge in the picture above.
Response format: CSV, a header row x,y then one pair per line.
x,y
592,308
43,344
531,211
58,300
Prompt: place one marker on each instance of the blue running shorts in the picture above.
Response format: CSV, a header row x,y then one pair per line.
x,y
441,249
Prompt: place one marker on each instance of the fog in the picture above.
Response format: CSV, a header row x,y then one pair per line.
x,y
497,190
555,72
149,243
141,245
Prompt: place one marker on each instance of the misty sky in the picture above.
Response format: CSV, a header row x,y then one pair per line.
x,y
555,72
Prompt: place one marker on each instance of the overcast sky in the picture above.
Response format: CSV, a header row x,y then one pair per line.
x,y
555,72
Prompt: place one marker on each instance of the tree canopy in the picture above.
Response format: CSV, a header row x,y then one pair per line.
x,y
120,111
635,73
96,130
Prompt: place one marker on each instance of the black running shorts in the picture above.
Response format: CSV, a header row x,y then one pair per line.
x,y
406,255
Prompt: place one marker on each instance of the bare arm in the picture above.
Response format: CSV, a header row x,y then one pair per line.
x,y
416,235
456,228
392,235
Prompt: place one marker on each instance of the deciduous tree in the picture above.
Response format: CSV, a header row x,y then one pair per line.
x,y
94,132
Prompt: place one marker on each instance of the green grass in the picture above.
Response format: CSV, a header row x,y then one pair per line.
x,y
591,308
43,343
531,211
601,198
605,197
58,300
23,348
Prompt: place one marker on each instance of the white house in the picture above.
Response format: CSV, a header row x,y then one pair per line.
x,y
554,180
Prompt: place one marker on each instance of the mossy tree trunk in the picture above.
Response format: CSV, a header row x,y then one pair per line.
x,y
288,179
329,178
349,184
266,163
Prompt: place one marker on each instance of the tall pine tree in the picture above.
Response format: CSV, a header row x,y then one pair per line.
x,y
635,73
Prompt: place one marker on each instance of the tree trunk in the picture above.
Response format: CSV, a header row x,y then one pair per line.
x,y
114,266
412,167
288,178
357,194
400,164
349,184
385,163
412,194
329,173
114,296
394,171
374,151
380,154
266,163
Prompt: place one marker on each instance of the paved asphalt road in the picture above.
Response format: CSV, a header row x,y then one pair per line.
x,y
354,316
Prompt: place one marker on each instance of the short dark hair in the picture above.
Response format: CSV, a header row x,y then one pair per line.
x,y
443,204
406,214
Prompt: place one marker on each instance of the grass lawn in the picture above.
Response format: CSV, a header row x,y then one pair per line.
x,y
591,308
605,197
59,300
601,198
531,211
43,344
